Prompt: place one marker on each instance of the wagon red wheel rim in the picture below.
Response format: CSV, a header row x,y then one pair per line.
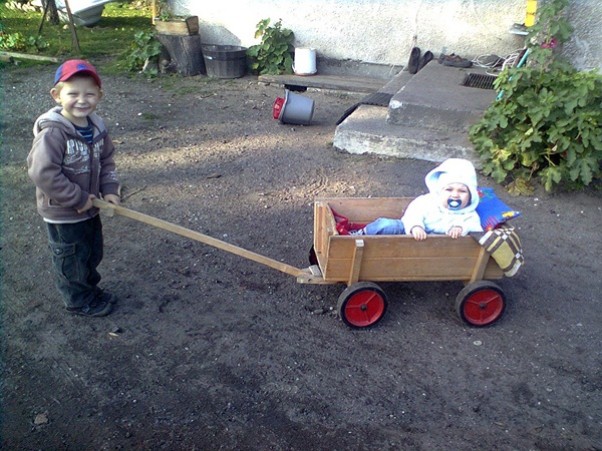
x,y
364,308
483,306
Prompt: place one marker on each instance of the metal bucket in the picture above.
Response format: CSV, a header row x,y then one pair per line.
x,y
297,109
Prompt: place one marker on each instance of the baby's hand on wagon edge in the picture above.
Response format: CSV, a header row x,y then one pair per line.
x,y
418,233
455,232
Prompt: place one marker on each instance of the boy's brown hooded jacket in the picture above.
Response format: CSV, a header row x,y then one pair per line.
x,y
66,169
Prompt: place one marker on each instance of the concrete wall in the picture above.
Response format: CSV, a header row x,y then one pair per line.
x,y
383,31
585,47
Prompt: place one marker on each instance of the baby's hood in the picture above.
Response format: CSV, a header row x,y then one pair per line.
x,y
454,170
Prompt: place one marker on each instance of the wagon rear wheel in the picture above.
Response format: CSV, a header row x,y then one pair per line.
x,y
313,258
481,303
362,304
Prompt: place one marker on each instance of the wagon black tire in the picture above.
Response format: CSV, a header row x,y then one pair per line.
x,y
481,303
362,304
313,258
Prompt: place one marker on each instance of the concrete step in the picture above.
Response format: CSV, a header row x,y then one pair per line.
x,y
357,82
434,98
397,83
319,81
366,130
428,117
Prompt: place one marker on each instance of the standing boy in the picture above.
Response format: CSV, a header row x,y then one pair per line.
x,y
71,163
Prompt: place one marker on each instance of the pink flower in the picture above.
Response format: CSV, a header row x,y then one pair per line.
x,y
550,44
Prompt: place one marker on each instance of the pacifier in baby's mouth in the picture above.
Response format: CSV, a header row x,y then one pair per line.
x,y
454,204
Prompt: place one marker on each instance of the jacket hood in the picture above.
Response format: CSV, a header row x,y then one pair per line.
x,y
454,170
54,118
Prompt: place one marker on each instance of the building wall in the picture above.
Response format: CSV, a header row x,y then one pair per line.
x,y
585,47
384,31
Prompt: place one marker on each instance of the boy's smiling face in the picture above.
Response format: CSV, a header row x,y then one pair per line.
x,y
79,97
455,196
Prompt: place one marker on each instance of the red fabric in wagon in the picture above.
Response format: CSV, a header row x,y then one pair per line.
x,y
343,225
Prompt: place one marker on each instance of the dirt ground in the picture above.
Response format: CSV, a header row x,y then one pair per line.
x,y
208,350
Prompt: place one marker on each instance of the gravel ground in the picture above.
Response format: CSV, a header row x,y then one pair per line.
x,y
207,350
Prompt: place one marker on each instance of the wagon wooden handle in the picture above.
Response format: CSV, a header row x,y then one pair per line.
x,y
197,236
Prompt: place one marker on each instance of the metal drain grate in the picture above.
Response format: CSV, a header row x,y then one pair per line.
x,y
482,81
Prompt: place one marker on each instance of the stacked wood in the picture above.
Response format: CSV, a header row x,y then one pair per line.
x,y
182,27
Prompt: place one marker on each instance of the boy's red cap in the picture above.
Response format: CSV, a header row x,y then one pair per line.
x,y
71,67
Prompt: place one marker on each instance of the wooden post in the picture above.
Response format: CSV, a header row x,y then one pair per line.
x,y
74,39
9,55
356,263
54,16
45,6
480,265
53,12
185,51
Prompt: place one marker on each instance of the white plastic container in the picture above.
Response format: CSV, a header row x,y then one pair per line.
x,y
305,61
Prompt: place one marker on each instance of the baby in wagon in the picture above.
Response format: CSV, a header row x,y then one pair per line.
x,y
448,208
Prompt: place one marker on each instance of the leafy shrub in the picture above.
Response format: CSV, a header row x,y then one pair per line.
x,y
144,47
274,54
18,42
546,122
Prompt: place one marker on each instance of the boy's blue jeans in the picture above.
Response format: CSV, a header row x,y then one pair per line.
x,y
385,226
77,250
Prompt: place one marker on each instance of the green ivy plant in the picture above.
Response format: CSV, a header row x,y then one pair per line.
x,y
144,47
274,54
546,124
163,10
19,42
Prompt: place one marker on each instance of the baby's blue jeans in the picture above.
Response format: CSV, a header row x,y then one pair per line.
x,y
384,226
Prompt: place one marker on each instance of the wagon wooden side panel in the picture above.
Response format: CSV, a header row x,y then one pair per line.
x,y
392,258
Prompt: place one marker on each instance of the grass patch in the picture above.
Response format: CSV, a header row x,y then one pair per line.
x,y
110,39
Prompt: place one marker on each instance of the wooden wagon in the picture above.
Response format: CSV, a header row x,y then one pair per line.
x,y
362,261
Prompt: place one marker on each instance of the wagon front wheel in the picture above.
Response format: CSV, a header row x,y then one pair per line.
x,y
481,303
362,304
313,258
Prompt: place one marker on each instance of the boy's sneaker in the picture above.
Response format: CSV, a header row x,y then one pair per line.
x,y
356,232
98,307
106,296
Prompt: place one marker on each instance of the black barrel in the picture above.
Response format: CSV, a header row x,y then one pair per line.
x,y
225,61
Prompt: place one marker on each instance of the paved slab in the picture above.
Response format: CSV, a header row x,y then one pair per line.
x,y
428,118
367,131
435,98
335,82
